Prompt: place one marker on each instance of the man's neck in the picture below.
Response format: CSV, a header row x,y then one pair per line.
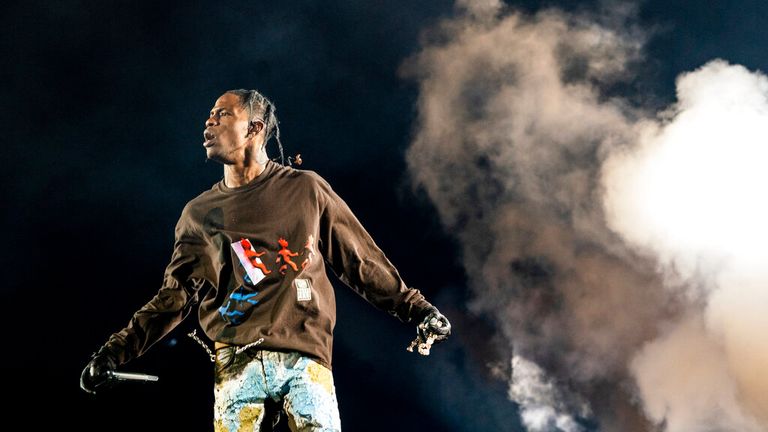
x,y
241,175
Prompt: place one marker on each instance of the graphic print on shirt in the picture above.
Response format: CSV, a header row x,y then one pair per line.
x,y
238,301
255,270
309,250
242,298
285,255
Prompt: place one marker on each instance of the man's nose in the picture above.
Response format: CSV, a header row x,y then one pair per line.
x,y
210,122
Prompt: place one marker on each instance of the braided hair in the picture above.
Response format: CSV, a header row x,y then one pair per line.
x,y
261,108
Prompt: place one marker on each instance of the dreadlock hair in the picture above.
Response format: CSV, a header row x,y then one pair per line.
x,y
261,108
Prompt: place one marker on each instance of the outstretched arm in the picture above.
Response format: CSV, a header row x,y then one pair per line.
x,y
357,260
181,283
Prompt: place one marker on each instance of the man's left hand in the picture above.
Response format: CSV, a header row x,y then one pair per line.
x,y
435,324
434,328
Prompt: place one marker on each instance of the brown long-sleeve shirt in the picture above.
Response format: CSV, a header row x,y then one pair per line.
x,y
253,258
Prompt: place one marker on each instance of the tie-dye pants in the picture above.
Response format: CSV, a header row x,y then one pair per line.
x,y
244,381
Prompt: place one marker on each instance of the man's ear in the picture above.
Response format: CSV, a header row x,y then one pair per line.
x,y
255,127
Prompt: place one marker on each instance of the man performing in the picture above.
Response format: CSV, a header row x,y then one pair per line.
x,y
252,251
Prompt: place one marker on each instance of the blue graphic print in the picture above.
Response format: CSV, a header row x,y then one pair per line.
x,y
238,301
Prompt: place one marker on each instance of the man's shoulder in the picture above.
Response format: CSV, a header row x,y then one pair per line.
x,y
202,197
309,175
305,177
199,203
312,176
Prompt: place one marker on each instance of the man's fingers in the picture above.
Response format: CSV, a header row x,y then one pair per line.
x,y
440,325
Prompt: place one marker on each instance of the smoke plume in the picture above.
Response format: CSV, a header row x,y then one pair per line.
x,y
615,248
690,191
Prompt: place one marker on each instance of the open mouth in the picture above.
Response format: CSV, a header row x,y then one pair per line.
x,y
209,137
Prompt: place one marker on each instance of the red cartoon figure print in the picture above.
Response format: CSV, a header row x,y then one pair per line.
x,y
285,254
253,256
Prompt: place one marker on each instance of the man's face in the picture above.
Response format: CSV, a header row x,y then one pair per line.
x,y
227,135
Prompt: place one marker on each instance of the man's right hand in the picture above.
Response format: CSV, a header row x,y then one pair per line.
x,y
95,376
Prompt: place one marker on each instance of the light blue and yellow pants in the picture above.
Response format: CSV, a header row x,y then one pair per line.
x,y
244,381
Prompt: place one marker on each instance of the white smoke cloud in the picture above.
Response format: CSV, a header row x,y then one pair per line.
x,y
691,192
685,382
540,399
690,189
608,263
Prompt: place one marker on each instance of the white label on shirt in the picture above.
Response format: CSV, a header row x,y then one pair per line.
x,y
303,289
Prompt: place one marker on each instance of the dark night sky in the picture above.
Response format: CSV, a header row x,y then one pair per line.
x,y
104,105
